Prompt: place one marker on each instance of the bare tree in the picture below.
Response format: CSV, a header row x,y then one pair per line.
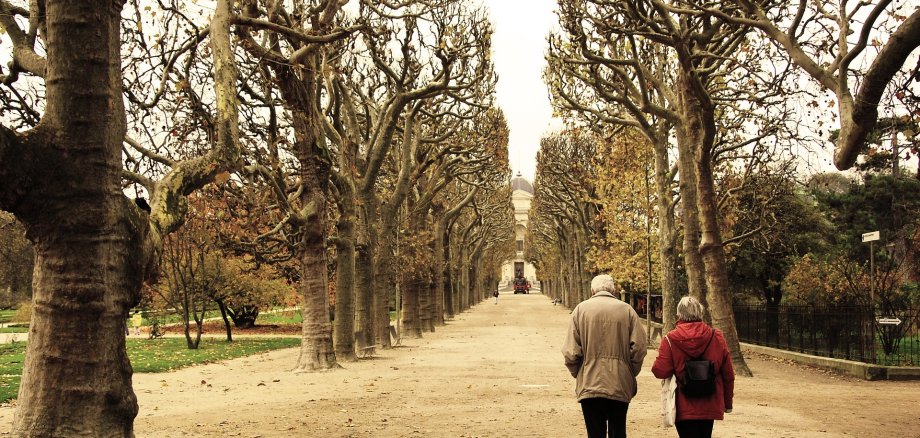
x,y
661,62
416,67
94,246
817,37
564,211
611,83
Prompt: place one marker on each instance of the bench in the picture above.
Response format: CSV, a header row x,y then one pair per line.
x,y
368,351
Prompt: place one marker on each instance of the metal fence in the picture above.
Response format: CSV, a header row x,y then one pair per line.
x,y
844,332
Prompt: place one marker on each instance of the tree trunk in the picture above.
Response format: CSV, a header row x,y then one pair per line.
x,y
93,247
344,330
690,216
428,304
667,240
365,295
411,288
345,294
316,348
223,314
441,271
88,238
464,278
385,284
452,279
699,125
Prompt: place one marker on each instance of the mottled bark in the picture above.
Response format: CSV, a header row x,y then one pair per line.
x,y
93,246
464,280
316,347
344,330
366,287
88,238
667,236
441,272
411,324
699,123
301,92
385,283
693,261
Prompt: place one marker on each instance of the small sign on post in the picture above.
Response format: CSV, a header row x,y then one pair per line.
x,y
889,321
871,237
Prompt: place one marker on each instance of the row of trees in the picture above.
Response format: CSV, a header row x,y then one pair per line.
x,y
691,115
353,138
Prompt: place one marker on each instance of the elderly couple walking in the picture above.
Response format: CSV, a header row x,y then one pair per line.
x,y
604,349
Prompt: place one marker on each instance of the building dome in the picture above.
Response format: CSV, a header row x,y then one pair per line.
x,y
519,183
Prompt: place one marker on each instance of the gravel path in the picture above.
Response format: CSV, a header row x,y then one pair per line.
x,y
495,371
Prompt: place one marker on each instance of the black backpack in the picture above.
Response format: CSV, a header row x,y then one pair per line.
x,y
699,379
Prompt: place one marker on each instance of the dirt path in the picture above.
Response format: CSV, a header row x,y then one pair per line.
x,y
495,371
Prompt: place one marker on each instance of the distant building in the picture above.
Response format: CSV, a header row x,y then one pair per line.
x,y
521,196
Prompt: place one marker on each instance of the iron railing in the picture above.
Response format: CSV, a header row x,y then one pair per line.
x,y
843,332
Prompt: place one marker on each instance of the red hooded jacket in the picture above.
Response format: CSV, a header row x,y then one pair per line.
x,y
689,339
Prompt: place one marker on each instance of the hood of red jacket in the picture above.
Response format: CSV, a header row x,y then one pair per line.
x,y
691,337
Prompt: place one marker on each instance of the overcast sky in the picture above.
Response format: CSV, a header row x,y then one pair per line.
x,y
518,49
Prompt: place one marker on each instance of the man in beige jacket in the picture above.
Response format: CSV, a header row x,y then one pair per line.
x,y
604,349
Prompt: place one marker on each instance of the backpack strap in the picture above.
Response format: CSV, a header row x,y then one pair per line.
x,y
673,365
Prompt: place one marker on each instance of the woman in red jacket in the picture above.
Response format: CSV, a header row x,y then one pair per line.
x,y
694,338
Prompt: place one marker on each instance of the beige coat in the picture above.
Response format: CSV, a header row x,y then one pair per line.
x,y
604,348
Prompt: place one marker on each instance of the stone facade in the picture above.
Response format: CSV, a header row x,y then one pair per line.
x,y
522,193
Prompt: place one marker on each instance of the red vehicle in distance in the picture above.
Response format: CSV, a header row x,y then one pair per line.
x,y
521,285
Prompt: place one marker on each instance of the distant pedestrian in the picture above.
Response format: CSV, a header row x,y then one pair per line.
x,y
495,294
693,339
136,321
604,349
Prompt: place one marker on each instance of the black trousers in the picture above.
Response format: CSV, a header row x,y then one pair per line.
x,y
694,428
604,417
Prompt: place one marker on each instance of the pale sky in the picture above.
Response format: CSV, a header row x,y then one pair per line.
x,y
518,50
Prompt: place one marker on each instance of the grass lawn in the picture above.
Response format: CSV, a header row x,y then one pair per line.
x,y
150,356
907,354
15,329
7,315
280,318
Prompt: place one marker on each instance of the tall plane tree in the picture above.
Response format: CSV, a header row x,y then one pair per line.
x,y
625,84
94,246
818,37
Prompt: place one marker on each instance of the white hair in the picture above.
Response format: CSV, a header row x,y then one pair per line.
x,y
602,282
689,310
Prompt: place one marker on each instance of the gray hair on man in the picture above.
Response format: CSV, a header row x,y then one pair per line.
x,y
602,283
689,310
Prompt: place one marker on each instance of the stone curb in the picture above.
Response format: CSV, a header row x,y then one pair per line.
x,y
856,369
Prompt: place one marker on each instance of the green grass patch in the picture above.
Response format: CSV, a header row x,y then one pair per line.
x,y
151,356
9,387
280,318
11,357
7,315
164,354
907,354
15,329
